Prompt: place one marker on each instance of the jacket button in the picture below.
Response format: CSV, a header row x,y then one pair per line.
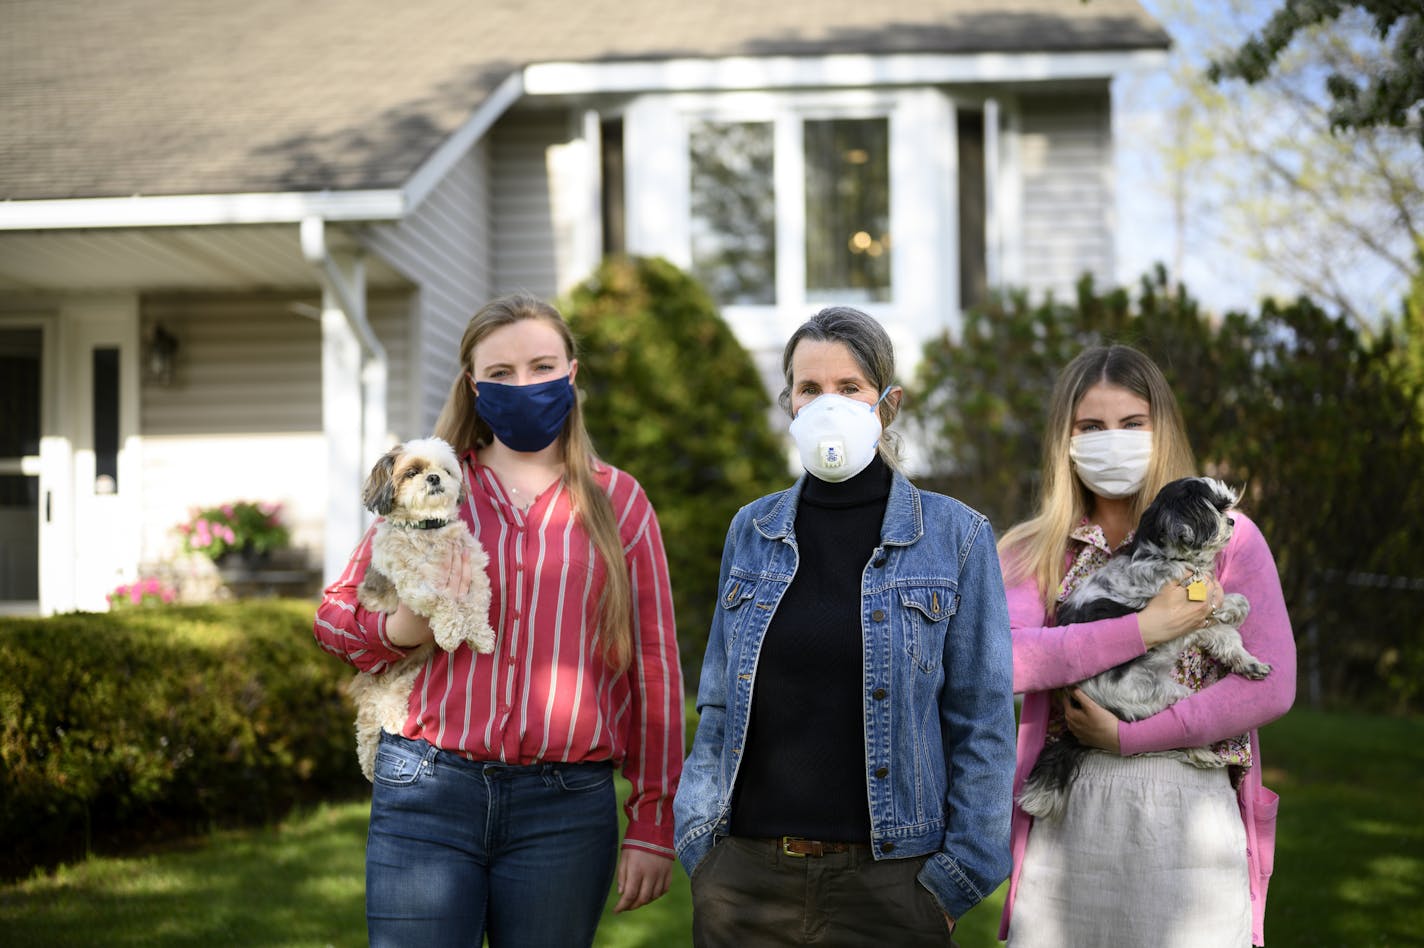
x,y
887,847
878,615
879,695
882,772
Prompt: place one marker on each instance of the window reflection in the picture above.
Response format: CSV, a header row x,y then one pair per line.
x,y
733,215
847,210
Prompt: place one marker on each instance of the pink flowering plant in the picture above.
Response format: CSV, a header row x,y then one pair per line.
x,y
239,526
145,592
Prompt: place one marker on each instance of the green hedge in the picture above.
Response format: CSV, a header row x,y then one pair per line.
x,y
134,725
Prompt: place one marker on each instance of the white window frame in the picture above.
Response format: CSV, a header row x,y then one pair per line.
x,y
924,290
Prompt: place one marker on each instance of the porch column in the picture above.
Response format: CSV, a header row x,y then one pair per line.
x,y
341,421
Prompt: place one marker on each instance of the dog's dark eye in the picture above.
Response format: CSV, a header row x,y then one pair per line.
x,y
1231,521
411,473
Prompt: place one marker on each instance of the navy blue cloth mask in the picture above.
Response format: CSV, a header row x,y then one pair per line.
x,y
525,417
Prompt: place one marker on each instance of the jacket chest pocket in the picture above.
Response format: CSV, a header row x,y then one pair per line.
x,y
738,606
925,614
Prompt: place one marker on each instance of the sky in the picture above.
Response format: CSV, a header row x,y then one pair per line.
x,y
1220,277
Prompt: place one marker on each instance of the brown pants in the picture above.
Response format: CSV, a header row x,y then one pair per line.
x,y
747,892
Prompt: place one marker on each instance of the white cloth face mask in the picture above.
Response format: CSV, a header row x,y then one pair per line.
x,y
836,436
1113,463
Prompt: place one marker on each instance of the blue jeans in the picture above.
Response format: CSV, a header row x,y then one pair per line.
x,y
459,849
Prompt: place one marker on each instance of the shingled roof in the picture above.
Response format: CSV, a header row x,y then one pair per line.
x,y
153,97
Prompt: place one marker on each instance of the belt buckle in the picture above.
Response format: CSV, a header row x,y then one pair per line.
x,y
786,842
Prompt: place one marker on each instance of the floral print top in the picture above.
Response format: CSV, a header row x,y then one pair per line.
x,y
1089,549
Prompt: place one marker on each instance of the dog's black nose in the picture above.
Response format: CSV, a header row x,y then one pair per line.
x,y
433,479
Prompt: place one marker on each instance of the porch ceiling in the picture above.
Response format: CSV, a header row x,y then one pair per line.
x,y
162,259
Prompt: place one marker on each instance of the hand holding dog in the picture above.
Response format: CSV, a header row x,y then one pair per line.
x,y
1170,614
643,877
408,629
1091,723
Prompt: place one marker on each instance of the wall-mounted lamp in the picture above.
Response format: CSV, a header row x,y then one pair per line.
x,y
158,355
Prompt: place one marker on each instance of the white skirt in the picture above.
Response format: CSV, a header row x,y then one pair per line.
x,y
1150,852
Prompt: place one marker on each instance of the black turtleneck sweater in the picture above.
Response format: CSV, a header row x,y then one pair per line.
x,y
803,766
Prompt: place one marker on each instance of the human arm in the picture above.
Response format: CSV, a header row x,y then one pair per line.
x,y
1052,656
1235,704
373,640
654,745
346,629
696,795
977,730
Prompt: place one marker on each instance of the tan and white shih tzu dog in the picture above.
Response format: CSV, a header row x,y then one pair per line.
x,y
416,488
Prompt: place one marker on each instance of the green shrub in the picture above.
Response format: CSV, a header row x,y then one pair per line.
x,y
673,399
128,726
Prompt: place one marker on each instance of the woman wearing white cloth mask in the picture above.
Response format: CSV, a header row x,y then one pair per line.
x,y
1150,851
825,800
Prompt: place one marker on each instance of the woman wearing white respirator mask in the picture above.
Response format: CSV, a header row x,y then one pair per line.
x,y
824,800
1188,850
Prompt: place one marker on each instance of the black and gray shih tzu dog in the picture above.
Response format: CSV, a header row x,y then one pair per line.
x,y
1180,533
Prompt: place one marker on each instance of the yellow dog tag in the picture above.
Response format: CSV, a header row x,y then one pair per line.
x,y
1196,591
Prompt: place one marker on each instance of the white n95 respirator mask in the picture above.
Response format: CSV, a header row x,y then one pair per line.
x,y
836,436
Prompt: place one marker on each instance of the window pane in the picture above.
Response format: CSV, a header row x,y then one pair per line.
x,y
733,219
106,421
847,210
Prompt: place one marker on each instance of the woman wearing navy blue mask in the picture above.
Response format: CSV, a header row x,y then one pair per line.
x,y
849,783
493,812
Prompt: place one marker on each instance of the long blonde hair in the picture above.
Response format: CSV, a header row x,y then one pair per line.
x,y
462,426
1038,546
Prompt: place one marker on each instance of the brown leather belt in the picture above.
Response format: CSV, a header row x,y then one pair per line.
x,y
796,846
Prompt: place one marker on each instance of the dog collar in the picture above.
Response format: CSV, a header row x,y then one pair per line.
x,y
425,524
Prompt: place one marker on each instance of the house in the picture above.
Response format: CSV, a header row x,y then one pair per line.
x,y
239,242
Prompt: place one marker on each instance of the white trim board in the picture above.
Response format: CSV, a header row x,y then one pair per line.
x,y
187,210
779,72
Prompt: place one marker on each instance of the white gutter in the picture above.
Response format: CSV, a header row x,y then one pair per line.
x,y
777,72
192,210
187,210
351,297
349,293
353,391
567,78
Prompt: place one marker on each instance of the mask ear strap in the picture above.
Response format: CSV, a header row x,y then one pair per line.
x,y
882,396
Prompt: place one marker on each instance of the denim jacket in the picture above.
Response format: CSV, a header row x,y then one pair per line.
x,y
937,690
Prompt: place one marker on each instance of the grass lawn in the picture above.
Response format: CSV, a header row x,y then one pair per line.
x,y
1349,866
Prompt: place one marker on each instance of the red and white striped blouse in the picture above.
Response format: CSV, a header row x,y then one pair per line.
x,y
545,694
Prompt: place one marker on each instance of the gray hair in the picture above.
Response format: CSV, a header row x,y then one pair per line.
x,y
872,350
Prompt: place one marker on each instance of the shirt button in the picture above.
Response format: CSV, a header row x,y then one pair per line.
x,y
878,615
887,847
878,694
882,772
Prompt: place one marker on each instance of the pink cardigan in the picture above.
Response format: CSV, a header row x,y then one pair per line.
x,y
1049,657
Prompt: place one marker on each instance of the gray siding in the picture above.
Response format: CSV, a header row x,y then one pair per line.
x,y
1066,162
252,363
525,256
444,249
